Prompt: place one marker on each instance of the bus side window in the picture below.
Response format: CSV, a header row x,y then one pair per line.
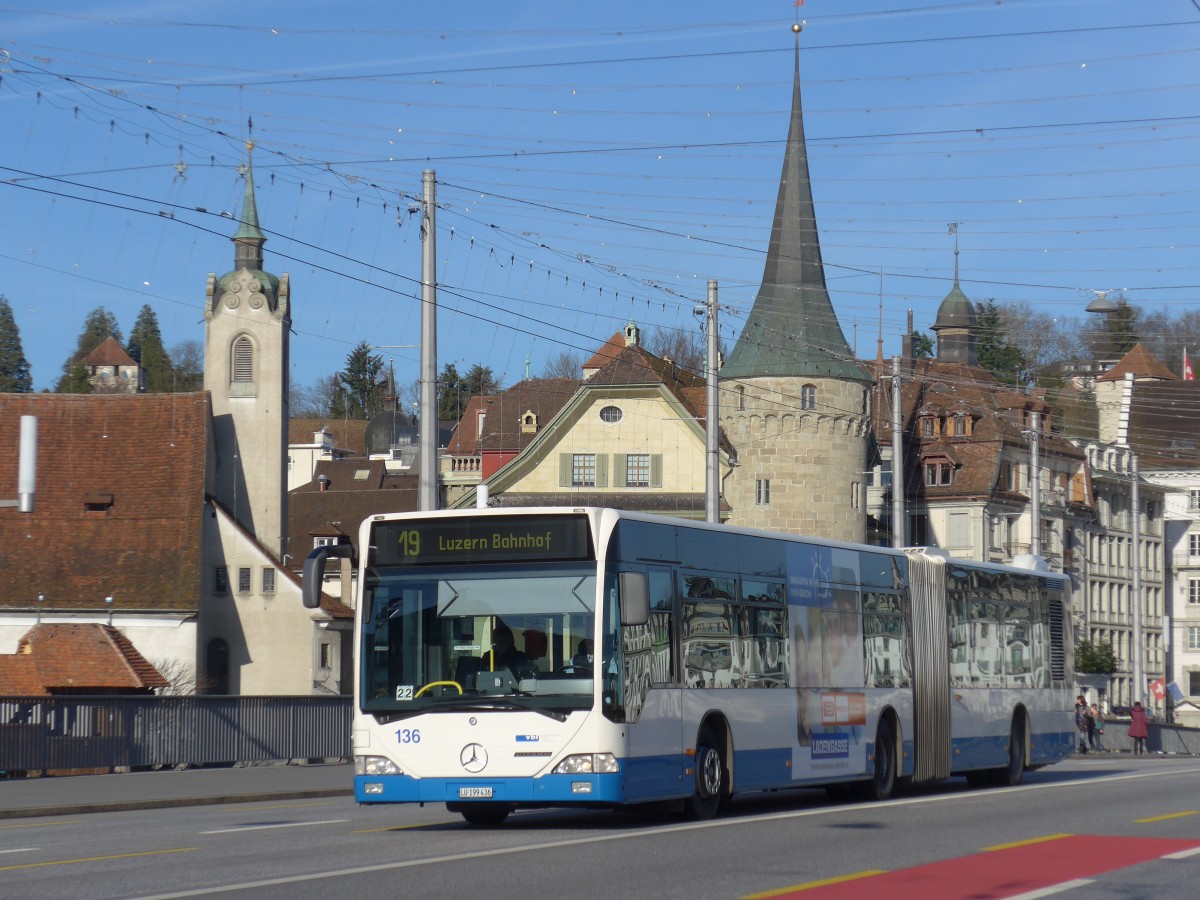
x,y
662,626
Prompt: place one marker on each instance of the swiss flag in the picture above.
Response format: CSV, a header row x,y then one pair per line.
x,y
1158,688
1188,374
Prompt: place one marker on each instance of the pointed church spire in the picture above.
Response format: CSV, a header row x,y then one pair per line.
x,y
792,329
249,238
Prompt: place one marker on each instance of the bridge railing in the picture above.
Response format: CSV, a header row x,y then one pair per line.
x,y
96,732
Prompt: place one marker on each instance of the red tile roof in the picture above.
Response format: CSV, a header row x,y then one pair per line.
x,y
348,434
1142,363
108,353
120,492
58,657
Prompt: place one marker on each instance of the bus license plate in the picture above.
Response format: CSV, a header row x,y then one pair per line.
x,y
474,792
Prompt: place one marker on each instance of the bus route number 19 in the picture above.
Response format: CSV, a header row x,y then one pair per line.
x,y
410,543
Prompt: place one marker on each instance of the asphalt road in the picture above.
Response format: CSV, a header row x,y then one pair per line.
x,y
1094,827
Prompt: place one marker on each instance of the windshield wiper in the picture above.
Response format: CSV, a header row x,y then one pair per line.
x,y
492,704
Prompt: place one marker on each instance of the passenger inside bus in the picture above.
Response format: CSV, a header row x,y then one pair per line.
x,y
504,653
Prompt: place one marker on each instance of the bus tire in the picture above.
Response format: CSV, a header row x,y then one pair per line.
x,y
1011,775
486,815
883,781
710,783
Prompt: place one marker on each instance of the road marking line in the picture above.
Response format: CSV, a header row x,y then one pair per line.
x,y
273,825
1053,889
1183,854
643,833
84,859
1177,815
809,885
21,850
1026,843
242,809
43,824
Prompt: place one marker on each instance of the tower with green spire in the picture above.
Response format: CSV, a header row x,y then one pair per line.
x,y
794,401
248,321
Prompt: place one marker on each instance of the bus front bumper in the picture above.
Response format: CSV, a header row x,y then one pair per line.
x,y
547,790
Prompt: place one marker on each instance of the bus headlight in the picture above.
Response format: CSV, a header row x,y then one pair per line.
x,y
587,764
375,765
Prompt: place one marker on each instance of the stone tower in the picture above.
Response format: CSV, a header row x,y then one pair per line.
x,y
246,341
794,402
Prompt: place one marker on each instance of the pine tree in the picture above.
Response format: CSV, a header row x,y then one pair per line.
x,y
146,347
996,354
360,394
15,376
98,325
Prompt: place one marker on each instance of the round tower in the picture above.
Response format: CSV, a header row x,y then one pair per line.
x,y
794,403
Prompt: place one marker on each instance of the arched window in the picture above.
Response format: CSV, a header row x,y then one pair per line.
x,y
808,396
741,395
243,359
216,666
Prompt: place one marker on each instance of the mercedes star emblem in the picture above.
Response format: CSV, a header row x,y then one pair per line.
x,y
473,757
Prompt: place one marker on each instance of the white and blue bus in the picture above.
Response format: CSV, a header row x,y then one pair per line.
x,y
511,658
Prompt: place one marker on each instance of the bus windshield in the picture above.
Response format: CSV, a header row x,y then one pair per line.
x,y
443,638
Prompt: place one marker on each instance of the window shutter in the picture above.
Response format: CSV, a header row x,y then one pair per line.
x,y
564,470
656,472
601,470
243,360
620,467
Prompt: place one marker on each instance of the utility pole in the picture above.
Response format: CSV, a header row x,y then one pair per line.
x,y
427,490
712,419
1035,483
899,522
1135,536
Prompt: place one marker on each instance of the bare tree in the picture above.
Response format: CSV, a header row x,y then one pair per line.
x,y
564,364
687,348
182,676
313,401
1041,338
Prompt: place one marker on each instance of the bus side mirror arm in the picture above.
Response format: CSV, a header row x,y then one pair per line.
x,y
312,577
635,598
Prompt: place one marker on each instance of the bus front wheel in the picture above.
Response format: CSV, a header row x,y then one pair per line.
x,y
883,781
710,778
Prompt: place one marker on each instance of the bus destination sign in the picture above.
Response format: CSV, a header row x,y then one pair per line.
x,y
488,539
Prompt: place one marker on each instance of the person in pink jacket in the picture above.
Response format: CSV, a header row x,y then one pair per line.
x,y
1137,728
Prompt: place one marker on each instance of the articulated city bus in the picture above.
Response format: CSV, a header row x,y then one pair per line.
x,y
510,658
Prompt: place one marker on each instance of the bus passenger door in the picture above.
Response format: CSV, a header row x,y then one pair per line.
x,y
654,763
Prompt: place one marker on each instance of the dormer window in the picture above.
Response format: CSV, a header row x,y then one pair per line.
x,y
529,422
929,426
939,471
961,425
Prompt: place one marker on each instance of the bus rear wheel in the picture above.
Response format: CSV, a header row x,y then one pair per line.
x,y
1011,775
487,815
710,778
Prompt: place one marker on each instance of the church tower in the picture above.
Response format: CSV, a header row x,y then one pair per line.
x,y
246,342
794,402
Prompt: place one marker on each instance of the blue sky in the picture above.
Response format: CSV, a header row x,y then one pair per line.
x,y
596,163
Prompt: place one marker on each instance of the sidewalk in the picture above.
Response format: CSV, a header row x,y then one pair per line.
x,y
69,795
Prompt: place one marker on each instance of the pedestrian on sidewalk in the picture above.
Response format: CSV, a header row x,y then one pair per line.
x,y
1080,724
1089,726
1098,718
1138,729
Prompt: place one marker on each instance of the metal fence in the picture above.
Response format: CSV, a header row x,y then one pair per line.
x,y
79,732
